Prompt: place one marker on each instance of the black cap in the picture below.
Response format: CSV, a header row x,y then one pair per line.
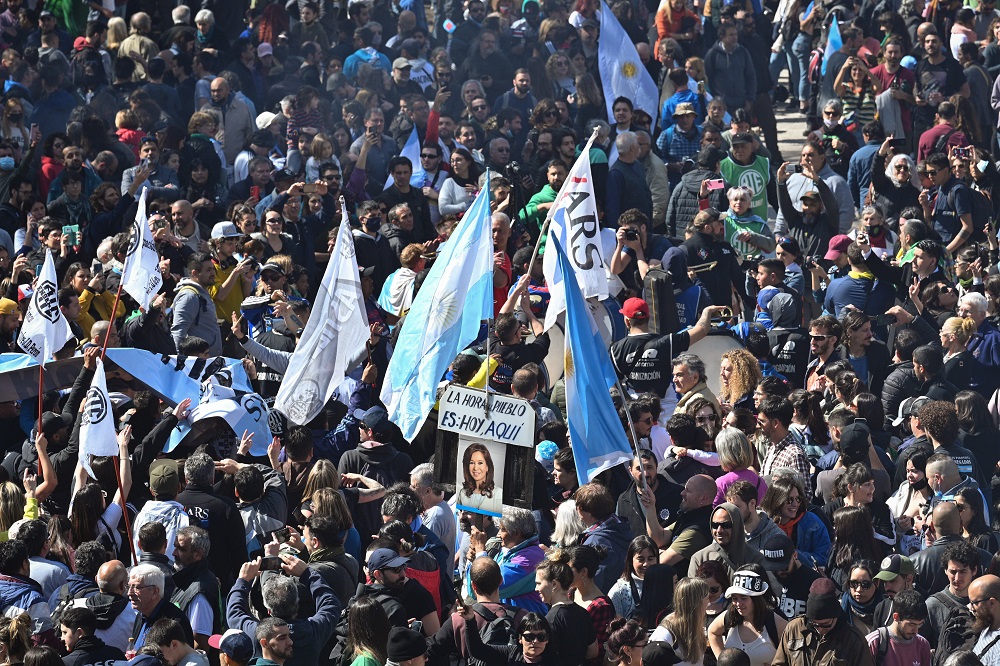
x,y
854,441
375,418
262,138
404,644
53,423
282,174
741,137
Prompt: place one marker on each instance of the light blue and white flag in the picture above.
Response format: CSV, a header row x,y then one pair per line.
x,y
411,151
174,378
444,319
595,431
44,330
833,43
622,72
335,332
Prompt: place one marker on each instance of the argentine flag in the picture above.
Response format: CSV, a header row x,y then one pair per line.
x,y
622,72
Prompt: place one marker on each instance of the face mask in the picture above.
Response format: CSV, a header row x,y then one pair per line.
x,y
15,117
830,123
6,163
919,485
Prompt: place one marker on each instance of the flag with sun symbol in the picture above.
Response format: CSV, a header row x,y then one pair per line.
x,y
443,320
622,72
595,432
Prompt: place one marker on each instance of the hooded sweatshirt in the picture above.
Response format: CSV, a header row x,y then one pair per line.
x,y
115,617
383,463
733,556
614,535
194,314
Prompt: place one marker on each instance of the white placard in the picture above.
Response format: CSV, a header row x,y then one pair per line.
x,y
510,420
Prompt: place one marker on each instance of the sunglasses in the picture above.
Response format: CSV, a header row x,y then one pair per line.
x,y
531,637
711,418
794,500
551,114
861,584
933,172
727,525
902,167
819,337
428,157
480,107
714,590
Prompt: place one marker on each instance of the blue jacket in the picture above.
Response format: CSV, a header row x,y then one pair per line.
x,y
614,535
684,95
859,171
309,634
363,56
79,586
812,541
23,595
872,298
985,344
517,571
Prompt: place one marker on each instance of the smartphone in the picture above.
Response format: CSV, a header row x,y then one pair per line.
x,y
34,126
73,232
160,223
255,192
38,269
282,535
371,130
701,87
885,320
963,153
793,168
897,143
716,184
97,267
310,188
144,163
270,564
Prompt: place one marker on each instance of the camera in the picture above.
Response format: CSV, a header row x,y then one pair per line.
x,y
252,262
812,262
514,171
631,234
793,168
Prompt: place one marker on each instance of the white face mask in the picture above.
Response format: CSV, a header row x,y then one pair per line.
x,y
830,123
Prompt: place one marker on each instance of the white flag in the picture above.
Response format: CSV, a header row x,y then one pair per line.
x,y
97,422
45,330
574,223
622,72
141,276
337,329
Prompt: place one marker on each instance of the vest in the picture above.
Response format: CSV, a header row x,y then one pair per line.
x,y
754,176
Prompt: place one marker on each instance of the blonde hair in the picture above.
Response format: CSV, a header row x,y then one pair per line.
x,y
961,327
282,260
15,634
11,505
746,375
127,119
321,148
687,622
329,502
117,32
698,65
199,118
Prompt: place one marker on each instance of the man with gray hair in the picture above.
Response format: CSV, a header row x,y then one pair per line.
x,y
985,345
196,583
627,186
281,598
438,515
215,513
145,592
518,555
656,177
690,381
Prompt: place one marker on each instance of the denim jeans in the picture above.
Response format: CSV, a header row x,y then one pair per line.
x,y
787,58
801,48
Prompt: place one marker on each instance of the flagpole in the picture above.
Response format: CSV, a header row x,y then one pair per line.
x,y
41,392
548,218
107,336
486,402
631,426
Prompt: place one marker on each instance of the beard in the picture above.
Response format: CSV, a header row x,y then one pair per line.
x,y
919,485
982,622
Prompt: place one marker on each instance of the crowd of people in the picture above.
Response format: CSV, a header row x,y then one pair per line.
x,y
826,499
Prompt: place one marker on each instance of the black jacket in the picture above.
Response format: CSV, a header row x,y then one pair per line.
x,y
930,576
668,497
162,610
92,651
967,373
703,249
398,240
219,516
195,579
900,384
683,204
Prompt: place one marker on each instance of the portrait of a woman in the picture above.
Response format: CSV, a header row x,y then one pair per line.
x,y
479,491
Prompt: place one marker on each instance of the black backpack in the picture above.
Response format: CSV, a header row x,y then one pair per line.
x,y
982,212
956,634
86,61
66,599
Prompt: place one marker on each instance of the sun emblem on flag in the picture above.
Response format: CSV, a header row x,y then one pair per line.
x,y
629,69
569,368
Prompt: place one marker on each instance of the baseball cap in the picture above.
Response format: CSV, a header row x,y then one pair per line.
x,y
264,49
234,644
910,407
838,245
164,478
272,267
895,565
811,194
7,306
685,109
777,552
263,138
854,440
740,138
225,230
46,14
24,291
282,174
658,653
375,419
635,308
53,423
265,119
590,23
385,558
401,63
748,583
366,271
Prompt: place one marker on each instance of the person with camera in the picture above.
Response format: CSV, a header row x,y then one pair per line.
x,y
943,135
817,222
714,260
950,211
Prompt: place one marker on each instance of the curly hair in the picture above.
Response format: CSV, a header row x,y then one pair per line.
x,y
469,485
746,375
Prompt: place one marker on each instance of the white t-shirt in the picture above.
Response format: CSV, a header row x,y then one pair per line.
x,y
663,634
200,615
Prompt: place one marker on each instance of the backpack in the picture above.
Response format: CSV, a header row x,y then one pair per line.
x,y
941,145
982,213
497,627
883,645
87,58
956,634
816,66
66,599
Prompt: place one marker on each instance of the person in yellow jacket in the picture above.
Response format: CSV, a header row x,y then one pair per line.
x,y
233,278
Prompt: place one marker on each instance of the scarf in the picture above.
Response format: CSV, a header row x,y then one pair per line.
x,y
203,37
862,275
866,612
325,554
789,527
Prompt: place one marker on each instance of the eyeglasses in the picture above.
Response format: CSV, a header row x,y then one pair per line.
x,y
819,337
711,418
531,637
902,167
428,157
502,150
975,602
395,570
648,420
271,277
826,625
727,525
480,107
933,172
831,114
861,584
